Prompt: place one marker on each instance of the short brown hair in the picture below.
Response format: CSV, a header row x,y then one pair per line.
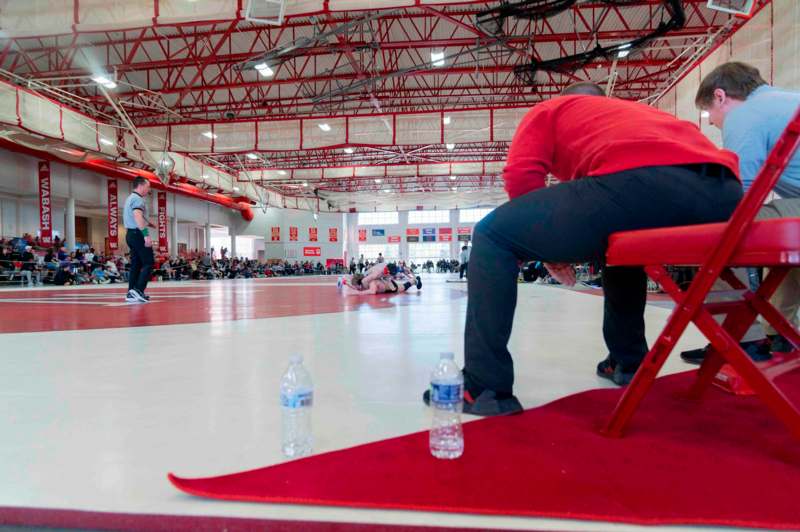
x,y
586,88
737,79
138,181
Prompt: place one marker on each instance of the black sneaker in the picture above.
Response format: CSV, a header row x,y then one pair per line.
x,y
488,403
779,344
142,294
608,369
758,350
419,282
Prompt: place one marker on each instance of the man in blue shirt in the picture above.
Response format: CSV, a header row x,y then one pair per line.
x,y
134,217
752,116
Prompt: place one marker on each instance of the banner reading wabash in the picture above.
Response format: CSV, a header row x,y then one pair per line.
x,y
163,245
293,232
45,203
312,234
362,235
333,234
113,215
276,234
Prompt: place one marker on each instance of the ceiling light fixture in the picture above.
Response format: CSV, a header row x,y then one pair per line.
x,y
378,181
324,127
450,146
281,172
106,142
437,58
236,189
105,81
452,178
252,156
349,150
209,135
446,120
265,70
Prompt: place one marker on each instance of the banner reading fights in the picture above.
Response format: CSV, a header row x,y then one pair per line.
x,y
333,234
45,203
312,234
362,235
113,215
293,232
163,245
276,234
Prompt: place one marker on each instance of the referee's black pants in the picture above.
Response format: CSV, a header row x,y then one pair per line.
x,y
571,223
142,260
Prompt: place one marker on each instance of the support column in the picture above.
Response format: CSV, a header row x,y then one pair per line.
x,y
173,229
173,236
232,233
208,238
69,224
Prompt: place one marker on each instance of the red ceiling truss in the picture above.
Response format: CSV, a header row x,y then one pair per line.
x,y
193,70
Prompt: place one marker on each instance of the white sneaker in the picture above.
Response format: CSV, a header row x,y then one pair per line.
x,y
135,297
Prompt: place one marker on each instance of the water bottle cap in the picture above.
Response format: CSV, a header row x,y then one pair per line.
x,y
447,356
296,359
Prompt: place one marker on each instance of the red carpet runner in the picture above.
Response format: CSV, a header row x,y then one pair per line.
x,y
725,461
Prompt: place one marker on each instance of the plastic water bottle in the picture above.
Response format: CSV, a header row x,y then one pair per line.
x,y
447,396
297,398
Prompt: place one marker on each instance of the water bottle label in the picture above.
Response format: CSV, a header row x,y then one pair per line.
x,y
297,400
446,393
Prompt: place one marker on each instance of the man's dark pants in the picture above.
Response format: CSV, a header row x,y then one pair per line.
x,y
571,223
462,270
142,260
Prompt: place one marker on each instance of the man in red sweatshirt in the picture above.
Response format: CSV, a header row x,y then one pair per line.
x,y
622,166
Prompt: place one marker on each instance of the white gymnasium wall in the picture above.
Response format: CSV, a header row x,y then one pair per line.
x,y
770,41
263,223
400,230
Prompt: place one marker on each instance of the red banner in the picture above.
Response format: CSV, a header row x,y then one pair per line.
x,y
362,235
113,215
333,234
163,246
464,230
394,239
293,232
445,238
412,232
445,230
45,203
276,234
312,252
312,234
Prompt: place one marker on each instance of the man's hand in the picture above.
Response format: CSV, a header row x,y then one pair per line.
x,y
563,273
148,242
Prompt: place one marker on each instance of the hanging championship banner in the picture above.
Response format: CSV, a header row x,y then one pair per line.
x,y
445,230
362,235
163,246
113,215
412,232
276,234
333,234
312,234
293,231
464,230
394,239
379,232
312,252
45,204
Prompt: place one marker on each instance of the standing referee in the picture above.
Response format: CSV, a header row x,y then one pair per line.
x,y
134,217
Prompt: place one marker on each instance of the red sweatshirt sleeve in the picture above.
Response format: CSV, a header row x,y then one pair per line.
x,y
530,156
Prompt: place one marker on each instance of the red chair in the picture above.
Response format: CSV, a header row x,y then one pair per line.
x,y
716,248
